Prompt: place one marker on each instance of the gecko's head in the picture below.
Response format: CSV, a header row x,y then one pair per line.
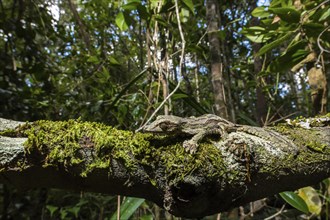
x,y
164,124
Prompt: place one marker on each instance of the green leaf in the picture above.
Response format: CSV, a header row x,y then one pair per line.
x,y
189,4
44,103
260,12
295,201
267,21
113,60
257,39
326,182
93,59
294,54
276,3
325,15
255,30
143,12
128,207
274,44
63,213
287,14
74,210
147,217
184,15
287,61
256,34
179,96
121,22
103,76
314,26
106,73
51,209
313,29
131,6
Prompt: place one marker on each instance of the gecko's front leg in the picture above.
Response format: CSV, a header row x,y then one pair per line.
x,y
191,145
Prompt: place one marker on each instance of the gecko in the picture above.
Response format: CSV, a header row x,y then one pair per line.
x,y
197,127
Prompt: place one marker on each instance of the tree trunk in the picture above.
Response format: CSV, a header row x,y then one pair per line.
x,y
261,104
217,77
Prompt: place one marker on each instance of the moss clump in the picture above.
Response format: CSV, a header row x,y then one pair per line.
x,y
154,151
303,137
318,121
72,142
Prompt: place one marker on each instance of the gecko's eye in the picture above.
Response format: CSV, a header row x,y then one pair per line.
x,y
168,126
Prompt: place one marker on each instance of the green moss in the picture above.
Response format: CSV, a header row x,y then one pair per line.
x,y
9,133
316,146
313,122
72,142
303,137
179,163
153,151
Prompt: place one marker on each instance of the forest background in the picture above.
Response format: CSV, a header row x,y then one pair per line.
x,y
121,62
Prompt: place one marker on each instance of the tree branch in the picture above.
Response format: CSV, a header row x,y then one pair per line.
x,y
249,164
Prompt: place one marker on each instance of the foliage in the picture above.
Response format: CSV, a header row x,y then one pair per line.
x,y
129,206
294,37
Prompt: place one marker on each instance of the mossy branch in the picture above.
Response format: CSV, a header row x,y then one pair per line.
x,y
224,173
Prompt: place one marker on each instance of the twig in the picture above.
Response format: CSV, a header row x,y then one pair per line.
x,y
304,15
118,207
282,118
320,46
179,72
200,40
276,214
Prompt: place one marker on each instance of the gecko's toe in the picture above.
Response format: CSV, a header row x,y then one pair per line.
x,y
190,146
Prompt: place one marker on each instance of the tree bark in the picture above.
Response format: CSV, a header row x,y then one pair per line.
x,y
225,172
261,104
217,76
